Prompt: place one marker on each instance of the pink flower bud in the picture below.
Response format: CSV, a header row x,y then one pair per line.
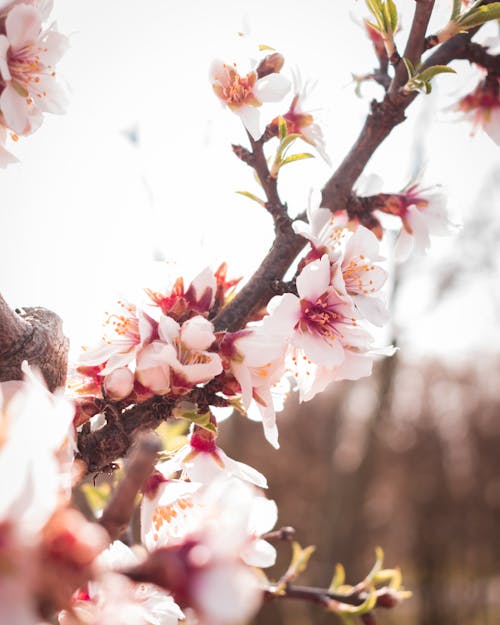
x,y
119,383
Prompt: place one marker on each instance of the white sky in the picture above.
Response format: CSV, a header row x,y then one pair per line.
x,y
85,211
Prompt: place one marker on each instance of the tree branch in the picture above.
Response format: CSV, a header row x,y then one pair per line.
x,y
116,517
416,42
35,335
476,53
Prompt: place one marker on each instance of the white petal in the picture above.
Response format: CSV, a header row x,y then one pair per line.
x,y
168,329
492,126
271,88
259,553
314,279
373,309
403,246
4,65
250,117
318,350
15,110
197,333
23,25
243,471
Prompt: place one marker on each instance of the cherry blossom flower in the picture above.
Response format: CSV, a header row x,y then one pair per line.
x,y
119,383
185,350
149,604
262,519
132,329
114,600
244,94
422,213
257,361
27,59
181,303
31,476
482,107
203,461
300,121
166,510
204,570
323,229
44,6
320,323
325,335
355,275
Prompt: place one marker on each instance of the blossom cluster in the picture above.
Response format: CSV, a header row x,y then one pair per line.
x,y
53,559
29,52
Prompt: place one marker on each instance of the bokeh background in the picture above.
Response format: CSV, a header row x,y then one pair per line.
x,y
139,175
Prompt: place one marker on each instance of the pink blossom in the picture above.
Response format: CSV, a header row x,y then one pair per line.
x,y
257,361
263,516
300,121
203,461
324,230
321,324
119,383
181,303
131,330
482,107
323,330
187,354
244,94
44,6
27,59
32,480
355,275
204,569
422,213
166,510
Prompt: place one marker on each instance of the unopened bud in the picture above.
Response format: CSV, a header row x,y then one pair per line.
x,y
271,64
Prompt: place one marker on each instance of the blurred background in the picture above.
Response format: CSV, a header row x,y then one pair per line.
x,y
139,175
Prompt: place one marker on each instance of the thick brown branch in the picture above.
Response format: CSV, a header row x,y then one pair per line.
x,y
383,118
101,448
116,517
35,335
475,53
260,288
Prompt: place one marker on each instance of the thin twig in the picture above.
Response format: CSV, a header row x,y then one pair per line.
x,y
416,41
116,517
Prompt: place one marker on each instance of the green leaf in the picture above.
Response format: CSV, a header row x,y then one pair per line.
x,y
379,561
282,128
392,15
479,15
296,157
338,578
409,67
430,72
367,606
455,11
251,196
298,563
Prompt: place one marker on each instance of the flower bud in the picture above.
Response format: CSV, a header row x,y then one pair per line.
x,y
271,64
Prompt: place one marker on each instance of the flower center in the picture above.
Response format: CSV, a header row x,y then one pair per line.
x,y
236,90
125,325
319,318
357,276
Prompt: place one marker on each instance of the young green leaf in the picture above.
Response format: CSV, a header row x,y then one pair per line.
x,y
296,157
251,196
480,15
430,72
